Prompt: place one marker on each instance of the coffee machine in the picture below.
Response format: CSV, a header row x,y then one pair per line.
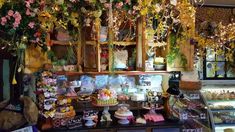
x,y
173,90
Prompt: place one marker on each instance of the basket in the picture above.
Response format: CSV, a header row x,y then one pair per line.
x,y
190,85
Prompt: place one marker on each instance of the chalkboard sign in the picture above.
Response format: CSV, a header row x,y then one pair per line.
x,y
75,122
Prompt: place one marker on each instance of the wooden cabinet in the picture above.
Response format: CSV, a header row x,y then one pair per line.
x,y
154,48
127,45
108,48
65,48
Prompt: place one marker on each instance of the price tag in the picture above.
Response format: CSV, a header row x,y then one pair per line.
x,y
184,116
199,130
194,96
25,129
203,116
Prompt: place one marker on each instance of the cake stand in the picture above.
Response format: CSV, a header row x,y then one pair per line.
x,y
106,116
123,120
89,121
152,109
90,116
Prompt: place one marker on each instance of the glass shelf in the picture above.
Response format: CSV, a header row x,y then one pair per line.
x,y
222,110
219,101
114,72
225,124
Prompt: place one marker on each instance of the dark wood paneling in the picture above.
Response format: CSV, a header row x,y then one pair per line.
x,y
1,79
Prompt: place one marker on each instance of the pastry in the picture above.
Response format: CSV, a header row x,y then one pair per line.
x,y
141,120
123,97
229,130
217,119
84,97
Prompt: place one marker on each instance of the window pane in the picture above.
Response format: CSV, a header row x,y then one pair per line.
x,y
220,69
220,55
210,69
210,55
230,71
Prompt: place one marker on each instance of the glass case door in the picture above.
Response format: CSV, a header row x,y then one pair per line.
x,y
192,111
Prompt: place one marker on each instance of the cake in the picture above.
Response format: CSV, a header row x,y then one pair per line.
x,y
106,97
218,120
123,112
138,97
154,117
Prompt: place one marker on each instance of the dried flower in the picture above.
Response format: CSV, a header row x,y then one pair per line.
x,y
10,13
3,21
107,5
28,13
119,5
31,24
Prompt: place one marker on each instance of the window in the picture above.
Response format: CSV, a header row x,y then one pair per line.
x,y
216,66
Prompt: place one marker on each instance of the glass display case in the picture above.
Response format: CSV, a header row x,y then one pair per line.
x,y
221,103
192,111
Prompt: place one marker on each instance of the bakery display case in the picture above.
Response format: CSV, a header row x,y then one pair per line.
x,y
192,110
221,103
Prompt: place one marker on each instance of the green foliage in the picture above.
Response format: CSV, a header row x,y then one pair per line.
x,y
69,58
174,52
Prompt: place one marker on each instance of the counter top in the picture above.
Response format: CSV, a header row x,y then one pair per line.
x,y
114,125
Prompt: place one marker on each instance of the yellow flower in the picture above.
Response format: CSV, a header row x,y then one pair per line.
x,y
45,14
144,11
74,14
2,2
97,13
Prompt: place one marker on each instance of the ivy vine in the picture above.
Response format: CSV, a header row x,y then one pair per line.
x,y
175,52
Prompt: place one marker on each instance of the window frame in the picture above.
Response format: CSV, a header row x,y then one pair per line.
x,y
216,75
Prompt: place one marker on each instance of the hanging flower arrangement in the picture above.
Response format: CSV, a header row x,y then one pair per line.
x,y
19,20
60,14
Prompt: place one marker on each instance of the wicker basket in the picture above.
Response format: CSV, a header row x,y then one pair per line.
x,y
190,85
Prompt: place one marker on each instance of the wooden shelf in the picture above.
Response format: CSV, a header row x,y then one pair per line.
x,y
121,43
103,43
124,43
64,43
94,43
114,72
90,42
